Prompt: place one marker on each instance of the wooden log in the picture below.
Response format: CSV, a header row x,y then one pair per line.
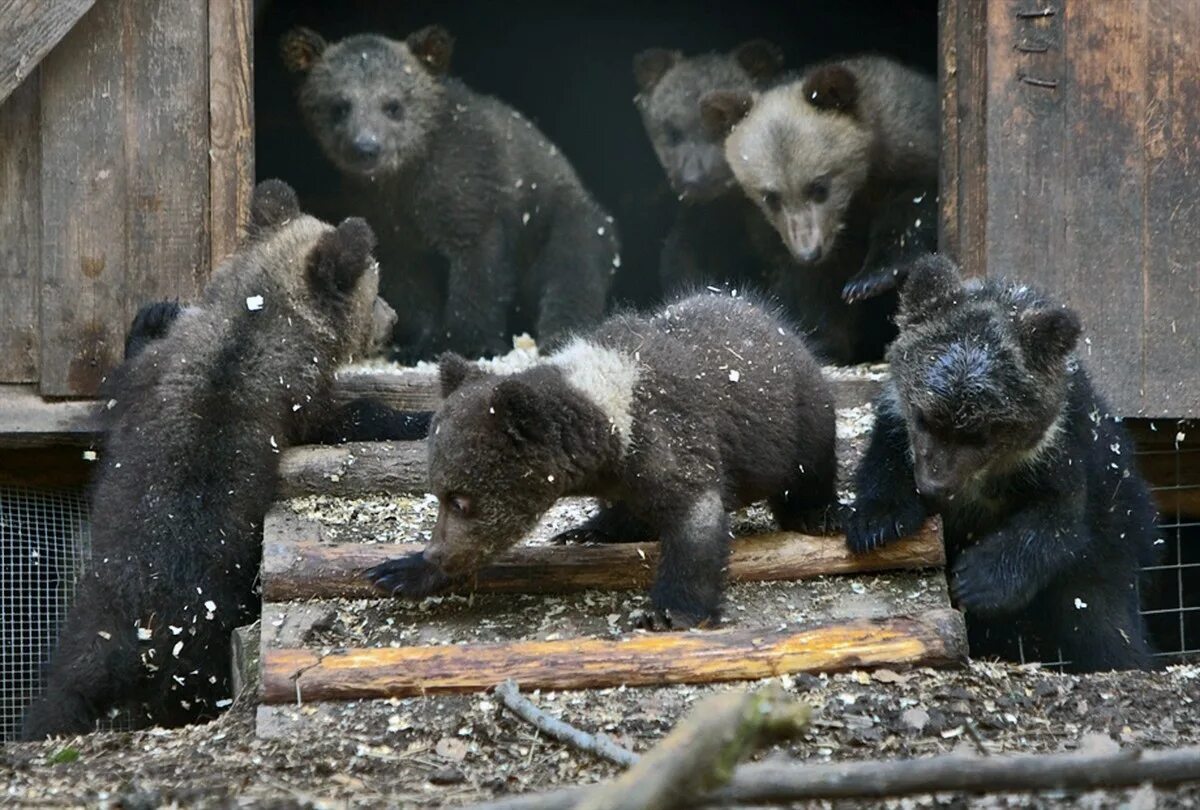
x,y
311,570
353,469
28,420
934,638
245,649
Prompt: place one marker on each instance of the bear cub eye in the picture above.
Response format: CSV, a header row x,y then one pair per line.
x,y
674,134
772,200
392,109
459,505
339,110
818,190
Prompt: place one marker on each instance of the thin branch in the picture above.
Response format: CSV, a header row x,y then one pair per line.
x,y
598,745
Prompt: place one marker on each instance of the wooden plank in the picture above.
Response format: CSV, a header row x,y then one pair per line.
x,y
1171,236
231,122
84,107
971,99
934,638
20,231
948,90
166,151
29,29
355,468
1104,191
26,419
304,569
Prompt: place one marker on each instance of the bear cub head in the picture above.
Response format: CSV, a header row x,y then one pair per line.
x,y
371,102
325,276
801,152
981,373
680,99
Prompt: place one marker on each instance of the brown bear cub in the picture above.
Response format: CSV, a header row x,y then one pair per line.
x,y
718,234
678,417
843,163
197,418
989,419
485,229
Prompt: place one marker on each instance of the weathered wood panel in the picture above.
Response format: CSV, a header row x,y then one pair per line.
x,y
29,29
931,639
84,194
20,232
231,121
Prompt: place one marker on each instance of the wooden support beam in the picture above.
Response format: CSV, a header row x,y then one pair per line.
x,y
28,420
29,29
353,469
934,638
305,569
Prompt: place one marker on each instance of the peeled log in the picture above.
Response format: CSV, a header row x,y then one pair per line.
x,y
296,569
353,469
934,638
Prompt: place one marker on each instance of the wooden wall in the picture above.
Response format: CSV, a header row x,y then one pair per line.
x,y
1072,161
125,168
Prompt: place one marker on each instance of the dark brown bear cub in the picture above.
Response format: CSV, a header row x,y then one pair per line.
x,y
485,229
990,420
196,420
708,405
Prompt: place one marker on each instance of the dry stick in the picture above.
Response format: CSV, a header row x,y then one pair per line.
x,y
599,745
787,782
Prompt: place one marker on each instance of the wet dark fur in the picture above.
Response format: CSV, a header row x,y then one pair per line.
x,y
503,449
712,239
1045,531
485,229
196,420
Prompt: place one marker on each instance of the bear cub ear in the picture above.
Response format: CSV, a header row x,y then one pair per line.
x,y
651,65
433,46
454,371
722,110
301,48
831,87
760,58
341,256
273,203
1048,334
932,283
521,410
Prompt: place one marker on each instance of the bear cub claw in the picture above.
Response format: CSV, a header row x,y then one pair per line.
x,y
408,577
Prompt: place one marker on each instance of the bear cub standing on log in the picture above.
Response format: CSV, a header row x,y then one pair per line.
x,y
708,405
485,229
844,165
718,234
989,419
197,418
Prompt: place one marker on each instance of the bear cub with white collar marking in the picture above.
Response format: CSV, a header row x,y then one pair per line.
x,y
674,418
989,419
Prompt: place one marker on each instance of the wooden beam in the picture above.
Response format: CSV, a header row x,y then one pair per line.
x,y
934,638
298,570
29,29
230,124
28,420
353,469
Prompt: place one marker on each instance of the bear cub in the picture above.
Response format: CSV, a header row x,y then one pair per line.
x,y
989,419
843,163
196,420
676,418
718,234
485,229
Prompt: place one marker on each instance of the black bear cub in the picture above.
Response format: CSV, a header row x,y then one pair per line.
x,y
197,417
675,418
989,419
485,230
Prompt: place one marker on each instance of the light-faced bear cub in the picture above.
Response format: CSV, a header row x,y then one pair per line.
x,y
196,420
485,229
718,234
843,163
676,417
989,419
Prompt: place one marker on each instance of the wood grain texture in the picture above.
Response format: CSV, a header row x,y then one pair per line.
x,y
352,469
26,419
934,638
20,232
84,196
970,110
29,29
297,569
231,122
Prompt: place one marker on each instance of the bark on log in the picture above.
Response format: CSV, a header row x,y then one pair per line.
x,y
784,783
353,469
933,638
310,570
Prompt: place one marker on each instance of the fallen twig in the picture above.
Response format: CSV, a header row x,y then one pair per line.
x,y
600,745
787,782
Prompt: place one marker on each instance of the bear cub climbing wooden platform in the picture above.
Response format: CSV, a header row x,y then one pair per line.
x,y
559,616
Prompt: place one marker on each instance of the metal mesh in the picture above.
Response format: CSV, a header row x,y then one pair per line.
x,y
44,535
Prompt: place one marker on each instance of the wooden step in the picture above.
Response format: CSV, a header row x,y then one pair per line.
x,y
296,675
